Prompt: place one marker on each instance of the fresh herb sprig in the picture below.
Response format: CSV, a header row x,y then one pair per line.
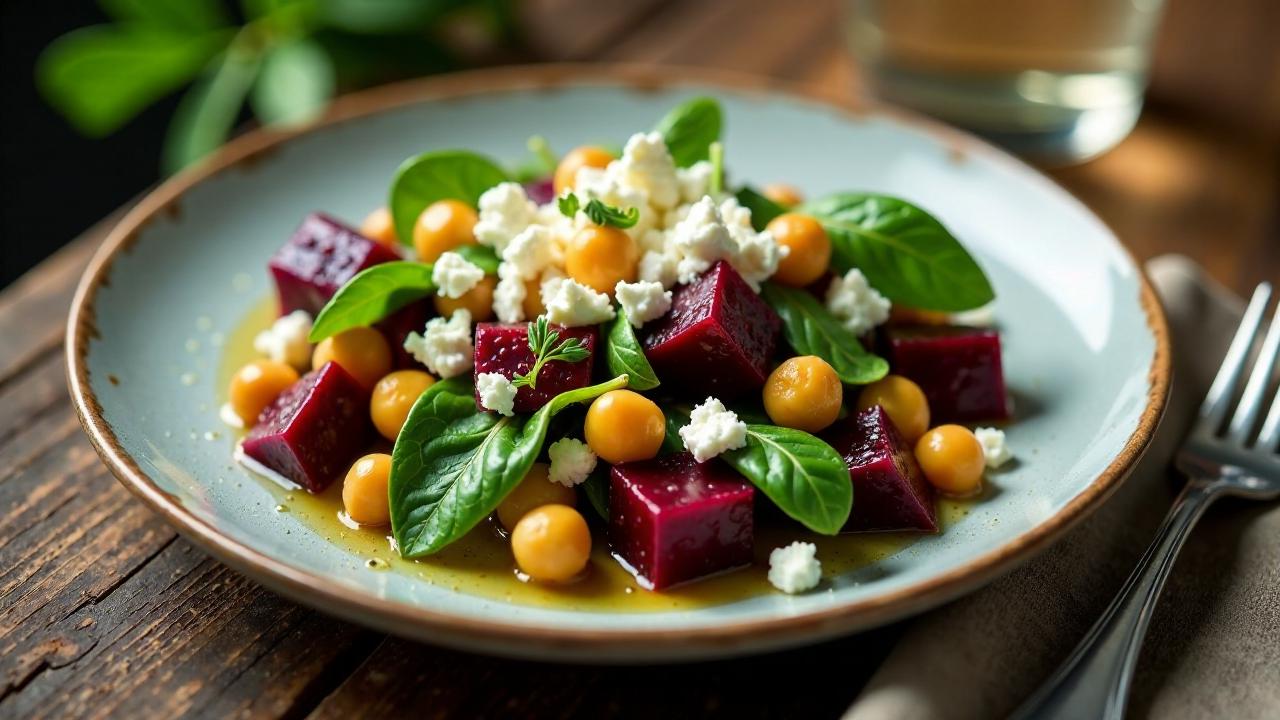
x,y
543,343
598,212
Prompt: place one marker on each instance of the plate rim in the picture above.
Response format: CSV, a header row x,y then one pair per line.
x,y
495,635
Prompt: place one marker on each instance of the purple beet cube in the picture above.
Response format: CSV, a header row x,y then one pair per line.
x,y
321,257
314,430
673,519
958,368
397,326
717,339
505,349
889,490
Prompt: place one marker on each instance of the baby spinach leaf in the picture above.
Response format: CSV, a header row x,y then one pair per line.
x,y
596,488
439,175
295,84
801,474
762,208
690,128
624,355
906,253
812,330
675,418
371,295
482,256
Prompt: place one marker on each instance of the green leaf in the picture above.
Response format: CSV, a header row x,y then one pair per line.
x,y
598,212
904,251
383,16
182,16
811,330
690,128
100,77
542,343
801,474
452,465
716,152
675,418
371,295
208,111
482,256
763,210
624,355
439,175
596,488
295,84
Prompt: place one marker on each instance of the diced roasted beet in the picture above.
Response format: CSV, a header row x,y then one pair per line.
x,y
322,255
889,491
397,326
958,368
673,519
314,429
505,349
540,191
717,339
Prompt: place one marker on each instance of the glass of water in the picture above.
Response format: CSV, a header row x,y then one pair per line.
x,y
1057,81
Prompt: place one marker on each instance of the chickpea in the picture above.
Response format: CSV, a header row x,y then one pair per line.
x,y
393,397
902,400
535,490
551,543
952,460
803,393
478,301
361,351
364,490
533,306
623,426
600,257
379,227
783,194
443,226
573,161
810,254
255,385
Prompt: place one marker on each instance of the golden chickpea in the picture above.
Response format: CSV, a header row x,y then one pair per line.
x,y
478,301
393,397
535,490
951,458
573,161
902,400
380,228
623,426
810,254
551,543
803,393
533,306
600,257
783,194
364,491
363,352
255,385
443,226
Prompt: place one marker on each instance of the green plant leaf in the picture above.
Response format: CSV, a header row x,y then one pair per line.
x,y
906,253
295,84
690,128
624,355
439,175
182,16
801,474
598,212
379,17
209,109
596,488
371,295
811,330
763,210
482,256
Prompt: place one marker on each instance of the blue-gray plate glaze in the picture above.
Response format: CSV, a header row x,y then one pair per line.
x,y
1086,353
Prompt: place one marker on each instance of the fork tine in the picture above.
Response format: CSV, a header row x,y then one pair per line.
x,y
1218,400
1251,401
1269,436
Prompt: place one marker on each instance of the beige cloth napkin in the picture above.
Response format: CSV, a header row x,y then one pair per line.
x,y
1213,649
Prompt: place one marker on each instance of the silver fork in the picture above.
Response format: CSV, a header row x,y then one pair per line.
x,y
1218,461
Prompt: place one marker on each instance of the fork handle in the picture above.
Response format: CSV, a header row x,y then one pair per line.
x,y
1094,681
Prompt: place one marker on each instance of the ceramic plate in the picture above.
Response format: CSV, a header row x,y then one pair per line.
x,y
1086,354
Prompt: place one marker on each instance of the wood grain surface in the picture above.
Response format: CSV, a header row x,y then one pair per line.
x,y
106,612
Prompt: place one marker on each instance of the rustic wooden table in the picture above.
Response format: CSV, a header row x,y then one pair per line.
x,y
106,611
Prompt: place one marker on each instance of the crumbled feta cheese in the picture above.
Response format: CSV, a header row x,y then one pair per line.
x,y
445,346
858,305
647,164
572,304
607,187
454,275
497,393
509,294
643,301
658,266
505,211
286,340
694,181
712,430
758,255
795,567
571,461
734,215
531,251
700,239
994,448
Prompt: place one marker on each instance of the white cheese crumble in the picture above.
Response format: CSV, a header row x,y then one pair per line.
x,y
505,210
658,266
509,294
445,345
795,567
643,301
712,430
497,393
286,340
572,304
700,239
647,164
531,251
994,448
454,275
694,181
855,303
571,461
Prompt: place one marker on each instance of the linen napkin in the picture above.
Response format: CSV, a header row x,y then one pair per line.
x,y
1213,647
